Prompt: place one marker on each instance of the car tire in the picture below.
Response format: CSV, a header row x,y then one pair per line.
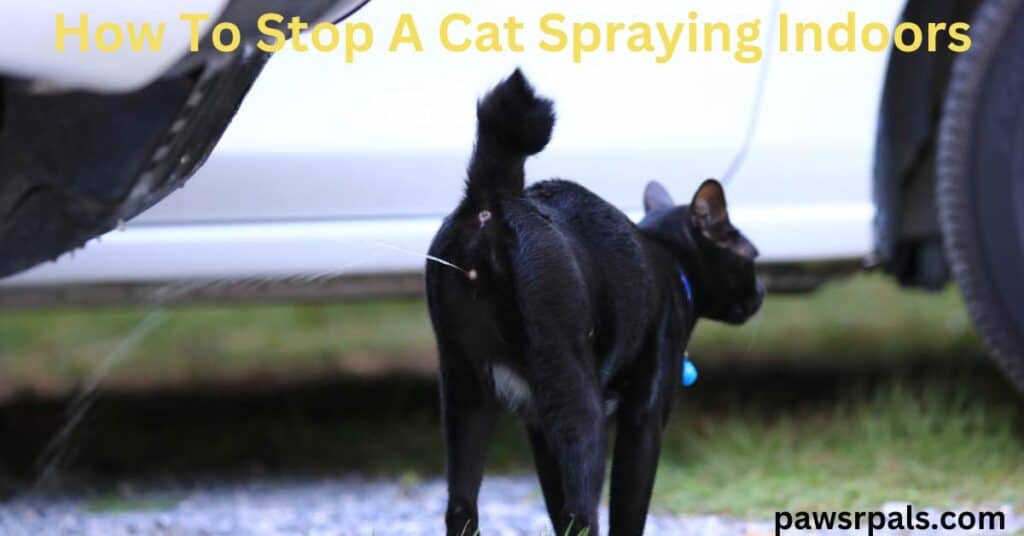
x,y
980,180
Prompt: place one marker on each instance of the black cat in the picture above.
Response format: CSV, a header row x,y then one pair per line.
x,y
570,314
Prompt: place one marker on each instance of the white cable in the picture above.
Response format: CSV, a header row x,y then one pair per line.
x,y
755,108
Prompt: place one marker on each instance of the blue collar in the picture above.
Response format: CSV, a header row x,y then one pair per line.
x,y
690,305
689,370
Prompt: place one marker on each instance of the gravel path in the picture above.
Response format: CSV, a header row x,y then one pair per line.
x,y
508,506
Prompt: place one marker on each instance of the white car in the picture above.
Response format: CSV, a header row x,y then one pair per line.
x,y
336,171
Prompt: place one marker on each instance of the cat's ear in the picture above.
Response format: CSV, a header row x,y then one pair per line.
x,y
709,214
707,210
656,197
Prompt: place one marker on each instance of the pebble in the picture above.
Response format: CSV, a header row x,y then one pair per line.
x,y
509,506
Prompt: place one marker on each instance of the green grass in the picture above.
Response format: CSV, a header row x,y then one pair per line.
x,y
55,350
865,317
844,399
945,444
862,318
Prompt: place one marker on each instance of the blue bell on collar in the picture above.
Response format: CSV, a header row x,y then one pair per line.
x,y
689,371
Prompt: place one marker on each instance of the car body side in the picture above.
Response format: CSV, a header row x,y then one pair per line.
x,y
335,169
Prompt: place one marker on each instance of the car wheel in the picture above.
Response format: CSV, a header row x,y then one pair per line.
x,y
981,180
